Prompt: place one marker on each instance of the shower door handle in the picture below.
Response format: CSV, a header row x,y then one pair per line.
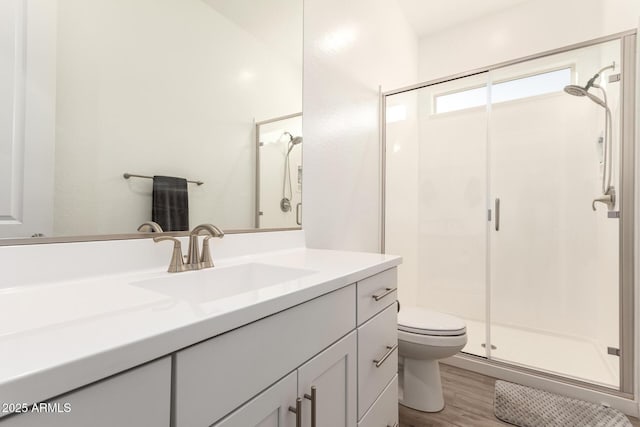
x,y
497,213
298,219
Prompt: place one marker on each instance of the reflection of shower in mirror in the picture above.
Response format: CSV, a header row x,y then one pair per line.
x,y
285,202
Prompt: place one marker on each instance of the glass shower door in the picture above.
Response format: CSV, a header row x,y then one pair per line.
x,y
554,280
436,198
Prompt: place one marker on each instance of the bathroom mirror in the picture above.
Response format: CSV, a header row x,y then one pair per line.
x,y
93,90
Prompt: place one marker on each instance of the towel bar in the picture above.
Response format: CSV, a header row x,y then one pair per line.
x,y
127,175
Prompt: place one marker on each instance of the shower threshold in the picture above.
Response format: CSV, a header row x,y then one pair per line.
x,y
571,357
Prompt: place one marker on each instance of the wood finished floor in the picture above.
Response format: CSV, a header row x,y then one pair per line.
x,y
468,400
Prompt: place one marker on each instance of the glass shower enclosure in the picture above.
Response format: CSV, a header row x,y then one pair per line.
x,y
511,202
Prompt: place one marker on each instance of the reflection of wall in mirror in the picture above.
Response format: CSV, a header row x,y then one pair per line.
x,y
169,88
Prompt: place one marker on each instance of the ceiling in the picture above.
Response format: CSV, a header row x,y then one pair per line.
x,y
277,23
428,17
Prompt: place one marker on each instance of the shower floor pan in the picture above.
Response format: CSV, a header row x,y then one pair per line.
x,y
572,357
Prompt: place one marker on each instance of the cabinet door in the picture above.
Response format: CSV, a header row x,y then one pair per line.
x,y
269,409
333,374
137,398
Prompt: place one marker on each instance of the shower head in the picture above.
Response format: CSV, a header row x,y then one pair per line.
x,y
581,91
597,100
295,140
575,90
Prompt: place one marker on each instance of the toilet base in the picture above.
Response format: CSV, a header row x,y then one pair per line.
x,y
422,387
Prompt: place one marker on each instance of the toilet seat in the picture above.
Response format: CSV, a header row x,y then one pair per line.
x,y
422,321
433,340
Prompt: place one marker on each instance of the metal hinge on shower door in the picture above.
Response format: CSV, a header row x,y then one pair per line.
x,y
613,351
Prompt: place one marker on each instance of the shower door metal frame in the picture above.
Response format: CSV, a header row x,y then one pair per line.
x,y
627,230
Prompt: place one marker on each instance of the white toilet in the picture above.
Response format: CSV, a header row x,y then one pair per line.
x,y
424,337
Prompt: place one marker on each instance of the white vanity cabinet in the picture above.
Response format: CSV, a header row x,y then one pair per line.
x,y
213,378
325,385
269,409
378,350
137,398
333,357
331,377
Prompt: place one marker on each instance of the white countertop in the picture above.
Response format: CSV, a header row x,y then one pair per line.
x,y
58,336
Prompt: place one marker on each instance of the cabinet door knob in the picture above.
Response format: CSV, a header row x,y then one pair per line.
x,y
313,398
298,411
390,349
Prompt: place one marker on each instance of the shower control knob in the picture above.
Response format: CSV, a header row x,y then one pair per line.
x,y
608,199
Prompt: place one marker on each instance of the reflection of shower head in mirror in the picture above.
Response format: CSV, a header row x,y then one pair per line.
x,y
293,141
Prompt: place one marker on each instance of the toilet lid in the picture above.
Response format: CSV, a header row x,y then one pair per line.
x,y
419,320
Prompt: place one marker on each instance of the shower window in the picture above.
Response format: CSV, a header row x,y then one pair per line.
x,y
507,90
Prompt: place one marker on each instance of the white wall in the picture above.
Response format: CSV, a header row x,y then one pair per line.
x,y
527,28
160,88
349,49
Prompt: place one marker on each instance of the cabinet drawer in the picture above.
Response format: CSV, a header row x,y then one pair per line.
x,y
215,377
139,397
376,339
384,412
375,293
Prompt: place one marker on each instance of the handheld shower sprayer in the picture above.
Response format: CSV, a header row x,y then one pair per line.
x,y
608,192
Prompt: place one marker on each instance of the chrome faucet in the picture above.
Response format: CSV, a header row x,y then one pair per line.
x,y
194,260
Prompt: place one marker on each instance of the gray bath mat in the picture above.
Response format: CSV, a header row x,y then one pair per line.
x,y
529,407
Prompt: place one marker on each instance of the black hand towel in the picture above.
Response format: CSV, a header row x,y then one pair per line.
x,y
170,203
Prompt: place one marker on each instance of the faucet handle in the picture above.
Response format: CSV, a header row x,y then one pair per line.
x,y
205,258
177,261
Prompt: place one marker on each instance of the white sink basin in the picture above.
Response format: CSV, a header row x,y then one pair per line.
x,y
221,282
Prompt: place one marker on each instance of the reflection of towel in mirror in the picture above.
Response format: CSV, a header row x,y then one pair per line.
x,y
170,203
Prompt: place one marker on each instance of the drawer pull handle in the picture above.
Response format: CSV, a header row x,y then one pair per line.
x,y
298,411
387,291
386,355
313,398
